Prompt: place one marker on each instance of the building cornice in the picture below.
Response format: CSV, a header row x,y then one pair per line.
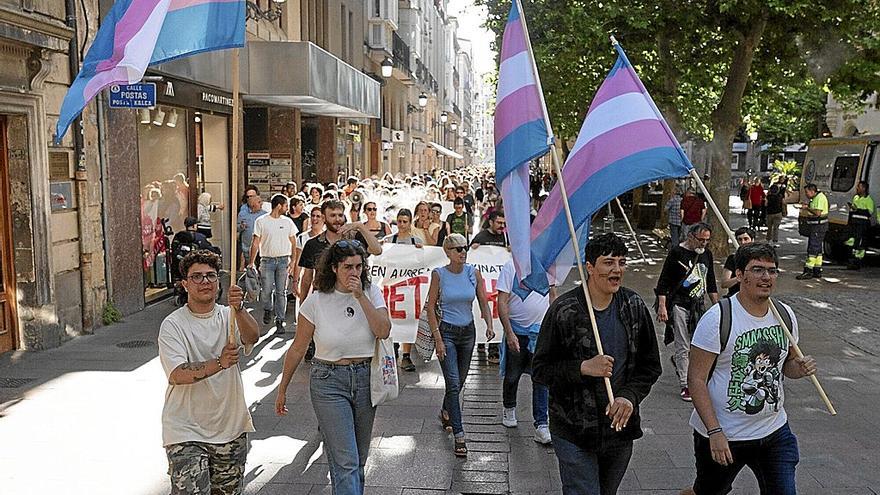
x,y
36,30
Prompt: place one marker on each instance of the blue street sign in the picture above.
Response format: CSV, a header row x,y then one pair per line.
x,y
133,95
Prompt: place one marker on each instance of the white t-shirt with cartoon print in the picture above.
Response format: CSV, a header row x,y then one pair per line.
x,y
746,387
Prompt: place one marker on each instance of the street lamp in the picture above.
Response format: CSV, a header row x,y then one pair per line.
x,y
423,100
254,12
387,67
444,117
453,126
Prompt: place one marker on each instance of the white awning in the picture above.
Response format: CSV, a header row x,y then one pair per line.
x,y
446,151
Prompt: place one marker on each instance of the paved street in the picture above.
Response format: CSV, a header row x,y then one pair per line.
x,y
85,418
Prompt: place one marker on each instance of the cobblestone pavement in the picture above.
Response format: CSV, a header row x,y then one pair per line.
x,y
84,418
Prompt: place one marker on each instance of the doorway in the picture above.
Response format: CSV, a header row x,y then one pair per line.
x,y
8,319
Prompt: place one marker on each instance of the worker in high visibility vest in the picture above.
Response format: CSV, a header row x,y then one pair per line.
x,y
815,214
861,211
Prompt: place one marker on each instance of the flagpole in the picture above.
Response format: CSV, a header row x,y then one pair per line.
x,y
785,329
578,255
233,262
522,19
633,232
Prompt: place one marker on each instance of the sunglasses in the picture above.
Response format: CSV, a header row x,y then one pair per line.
x,y
349,243
436,211
369,209
459,249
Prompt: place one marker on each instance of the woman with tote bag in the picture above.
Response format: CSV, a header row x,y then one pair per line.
x,y
345,315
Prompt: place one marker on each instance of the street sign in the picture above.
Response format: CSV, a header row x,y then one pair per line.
x,y
133,95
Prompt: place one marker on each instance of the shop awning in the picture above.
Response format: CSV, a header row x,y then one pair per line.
x,y
446,151
302,75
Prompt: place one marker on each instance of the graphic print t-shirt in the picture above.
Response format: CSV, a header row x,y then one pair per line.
x,y
746,386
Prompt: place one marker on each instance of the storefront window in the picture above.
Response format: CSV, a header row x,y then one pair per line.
x,y
164,181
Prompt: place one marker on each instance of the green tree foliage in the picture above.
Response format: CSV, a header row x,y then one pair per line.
x,y
708,64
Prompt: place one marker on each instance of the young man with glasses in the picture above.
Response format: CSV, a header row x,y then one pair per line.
x,y
205,419
686,278
736,378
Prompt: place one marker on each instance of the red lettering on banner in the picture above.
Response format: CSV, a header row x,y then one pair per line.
x,y
492,296
417,282
392,297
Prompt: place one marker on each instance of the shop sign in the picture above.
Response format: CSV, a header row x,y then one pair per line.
x,y
133,95
216,99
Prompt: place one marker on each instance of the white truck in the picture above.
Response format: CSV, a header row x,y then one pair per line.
x,y
836,165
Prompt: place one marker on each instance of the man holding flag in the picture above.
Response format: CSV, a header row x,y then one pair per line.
x,y
593,438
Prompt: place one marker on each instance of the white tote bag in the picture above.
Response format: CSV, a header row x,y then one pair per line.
x,y
383,373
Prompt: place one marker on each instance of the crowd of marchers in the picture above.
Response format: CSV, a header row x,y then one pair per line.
x,y
313,247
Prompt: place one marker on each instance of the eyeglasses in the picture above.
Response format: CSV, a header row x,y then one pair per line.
x,y
369,209
701,240
199,278
459,249
760,271
349,243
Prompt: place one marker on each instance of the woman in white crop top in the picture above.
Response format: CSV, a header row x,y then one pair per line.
x,y
345,315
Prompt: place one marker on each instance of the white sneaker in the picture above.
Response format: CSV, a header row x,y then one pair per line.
x,y
542,434
508,417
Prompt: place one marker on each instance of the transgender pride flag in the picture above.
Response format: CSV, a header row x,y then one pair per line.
x,y
522,132
139,33
623,144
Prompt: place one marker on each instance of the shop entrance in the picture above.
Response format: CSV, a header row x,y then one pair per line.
x,y
8,319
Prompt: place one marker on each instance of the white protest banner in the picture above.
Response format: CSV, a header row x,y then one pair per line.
x,y
404,273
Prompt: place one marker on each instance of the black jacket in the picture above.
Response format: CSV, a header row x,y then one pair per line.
x,y
577,403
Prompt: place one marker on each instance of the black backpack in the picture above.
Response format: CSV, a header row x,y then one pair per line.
x,y
727,322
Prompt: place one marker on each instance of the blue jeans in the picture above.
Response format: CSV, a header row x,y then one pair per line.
x,y
674,235
515,364
459,343
341,399
274,274
772,459
592,473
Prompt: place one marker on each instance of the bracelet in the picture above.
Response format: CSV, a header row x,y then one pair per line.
x,y
220,364
714,431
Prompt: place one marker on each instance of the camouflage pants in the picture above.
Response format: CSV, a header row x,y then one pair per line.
x,y
199,468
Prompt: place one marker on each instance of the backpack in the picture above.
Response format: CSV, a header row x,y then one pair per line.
x,y
727,322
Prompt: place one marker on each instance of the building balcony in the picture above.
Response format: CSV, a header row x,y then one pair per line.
x,y
384,12
401,59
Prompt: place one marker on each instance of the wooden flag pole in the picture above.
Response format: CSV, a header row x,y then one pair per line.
x,y
785,329
578,254
233,262
631,231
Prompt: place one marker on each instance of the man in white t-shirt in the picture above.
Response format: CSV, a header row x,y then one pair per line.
x,y
739,419
205,420
521,320
275,241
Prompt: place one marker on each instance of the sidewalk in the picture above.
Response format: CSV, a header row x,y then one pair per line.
x,y
85,418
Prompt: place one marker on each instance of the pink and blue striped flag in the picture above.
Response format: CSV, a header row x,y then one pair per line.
x,y
522,132
624,143
139,33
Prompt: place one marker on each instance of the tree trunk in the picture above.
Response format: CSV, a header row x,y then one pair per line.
x,y
726,120
667,97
